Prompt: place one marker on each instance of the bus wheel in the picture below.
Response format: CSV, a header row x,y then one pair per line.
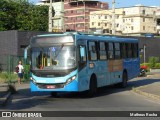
x,y
54,94
92,87
123,84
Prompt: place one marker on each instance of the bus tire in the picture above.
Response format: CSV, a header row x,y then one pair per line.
x,y
123,84
92,86
54,94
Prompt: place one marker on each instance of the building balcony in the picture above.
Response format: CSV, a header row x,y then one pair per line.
x,y
87,4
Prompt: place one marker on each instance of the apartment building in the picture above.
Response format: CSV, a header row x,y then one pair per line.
x,y
158,20
77,13
139,20
58,18
102,21
136,20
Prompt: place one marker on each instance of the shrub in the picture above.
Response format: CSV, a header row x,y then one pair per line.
x,y
157,66
153,61
26,72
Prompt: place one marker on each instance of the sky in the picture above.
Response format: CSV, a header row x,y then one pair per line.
x,y
125,3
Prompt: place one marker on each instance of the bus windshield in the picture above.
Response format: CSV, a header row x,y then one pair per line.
x,y
56,57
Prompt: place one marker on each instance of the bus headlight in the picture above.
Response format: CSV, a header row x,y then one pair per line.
x,y
71,79
32,79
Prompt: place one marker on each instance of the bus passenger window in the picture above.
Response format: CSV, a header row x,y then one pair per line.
x,y
123,50
135,50
102,52
110,51
117,51
92,53
129,50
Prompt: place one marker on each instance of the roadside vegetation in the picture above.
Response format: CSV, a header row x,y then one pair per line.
x,y
6,77
153,63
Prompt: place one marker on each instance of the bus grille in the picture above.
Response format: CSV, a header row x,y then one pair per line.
x,y
50,86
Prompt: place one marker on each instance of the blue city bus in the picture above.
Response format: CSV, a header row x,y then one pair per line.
x,y
76,62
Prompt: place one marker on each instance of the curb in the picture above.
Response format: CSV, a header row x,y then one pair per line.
x,y
149,95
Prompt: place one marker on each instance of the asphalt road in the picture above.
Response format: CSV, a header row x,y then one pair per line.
x,y
107,99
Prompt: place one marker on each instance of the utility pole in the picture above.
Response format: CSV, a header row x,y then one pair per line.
x,y
50,24
113,17
144,52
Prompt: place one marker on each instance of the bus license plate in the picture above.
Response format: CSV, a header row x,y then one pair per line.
x,y
51,86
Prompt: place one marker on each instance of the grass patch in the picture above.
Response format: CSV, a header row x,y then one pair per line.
x,y
7,78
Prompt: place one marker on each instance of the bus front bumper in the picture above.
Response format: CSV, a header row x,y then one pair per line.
x,y
71,87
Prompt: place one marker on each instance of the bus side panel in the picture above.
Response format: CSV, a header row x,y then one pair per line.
x,y
83,79
132,67
128,67
102,73
136,67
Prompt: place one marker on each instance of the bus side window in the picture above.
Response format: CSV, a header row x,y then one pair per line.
x,y
92,51
110,51
129,50
135,50
82,57
117,50
102,51
123,50
82,53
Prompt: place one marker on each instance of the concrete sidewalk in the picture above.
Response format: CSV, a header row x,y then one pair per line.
x,y
151,90
4,93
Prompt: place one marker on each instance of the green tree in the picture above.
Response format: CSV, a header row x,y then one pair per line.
x,y
21,15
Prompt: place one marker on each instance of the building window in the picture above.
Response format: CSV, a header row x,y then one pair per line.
x,y
124,13
80,11
117,16
154,12
101,5
132,20
66,19
143,19
105,16
87,17
143,12
92,23
117,25
123,20
132,27
143,27
105,24
99,24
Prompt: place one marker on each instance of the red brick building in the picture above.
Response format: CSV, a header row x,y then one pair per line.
x,y
77,13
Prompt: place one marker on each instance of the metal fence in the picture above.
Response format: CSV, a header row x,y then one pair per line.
x,y
8,64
